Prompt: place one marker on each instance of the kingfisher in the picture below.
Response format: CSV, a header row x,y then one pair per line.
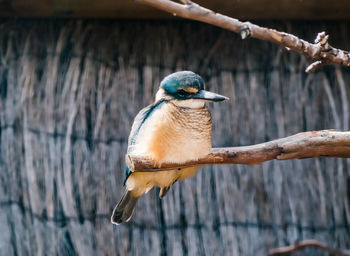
x,y
176,128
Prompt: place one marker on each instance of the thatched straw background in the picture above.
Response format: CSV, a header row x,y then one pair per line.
x,y
68,93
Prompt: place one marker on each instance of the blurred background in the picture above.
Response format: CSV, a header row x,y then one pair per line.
x,y
74,74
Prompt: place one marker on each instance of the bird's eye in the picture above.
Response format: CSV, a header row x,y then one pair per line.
x,y
182,93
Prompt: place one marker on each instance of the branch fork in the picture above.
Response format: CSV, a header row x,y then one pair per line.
x,y
322,47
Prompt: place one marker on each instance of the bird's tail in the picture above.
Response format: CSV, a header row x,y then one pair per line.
x,y
124,209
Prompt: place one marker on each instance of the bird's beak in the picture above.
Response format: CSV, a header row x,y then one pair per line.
x,y
209,96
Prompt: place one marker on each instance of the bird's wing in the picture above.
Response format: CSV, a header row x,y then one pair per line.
x,y
139,120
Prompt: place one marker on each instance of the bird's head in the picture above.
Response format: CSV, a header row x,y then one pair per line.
x,y
186,89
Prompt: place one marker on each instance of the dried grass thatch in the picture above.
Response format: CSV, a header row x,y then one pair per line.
x,y
68,93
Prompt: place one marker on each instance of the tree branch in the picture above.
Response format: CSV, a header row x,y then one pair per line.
x,y
304,244
325,143
320,51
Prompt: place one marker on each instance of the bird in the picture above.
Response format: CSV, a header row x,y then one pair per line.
x,y
176,128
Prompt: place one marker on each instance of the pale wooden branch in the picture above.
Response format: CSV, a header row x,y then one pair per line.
x,y
321,52
306,243
325,143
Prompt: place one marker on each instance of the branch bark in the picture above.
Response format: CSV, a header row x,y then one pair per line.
x,y
325,143
303,244
321,52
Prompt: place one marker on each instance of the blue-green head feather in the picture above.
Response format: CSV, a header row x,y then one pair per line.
x,y
181,81
182,85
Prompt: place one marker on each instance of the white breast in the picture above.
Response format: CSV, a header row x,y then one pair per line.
x,y
174,134
171,134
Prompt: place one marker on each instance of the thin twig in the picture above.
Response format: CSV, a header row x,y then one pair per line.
x,y
326,143
303,244
316,65
320,51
